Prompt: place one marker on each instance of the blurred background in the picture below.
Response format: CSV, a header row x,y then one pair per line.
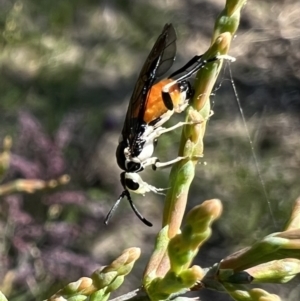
x,y
67,72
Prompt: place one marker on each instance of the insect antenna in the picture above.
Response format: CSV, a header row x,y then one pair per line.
x,y
135,210
195,64
114,207
188,65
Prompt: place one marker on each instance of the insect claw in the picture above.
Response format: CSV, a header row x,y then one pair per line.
x,y
197,157
157,190
166,164
162,189
226,57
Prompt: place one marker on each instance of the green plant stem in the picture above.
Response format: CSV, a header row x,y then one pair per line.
x,y
191,144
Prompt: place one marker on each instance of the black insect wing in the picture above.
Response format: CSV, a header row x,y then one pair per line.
x,y
158,62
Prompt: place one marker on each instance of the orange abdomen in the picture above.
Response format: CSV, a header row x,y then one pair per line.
x,y
155,105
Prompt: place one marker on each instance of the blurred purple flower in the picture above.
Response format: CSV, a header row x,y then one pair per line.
x,y
37,244
62,233
65,131
58,261
66,197
28,169
33,136
16,214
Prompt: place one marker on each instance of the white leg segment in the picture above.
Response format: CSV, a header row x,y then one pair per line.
x,y
168,163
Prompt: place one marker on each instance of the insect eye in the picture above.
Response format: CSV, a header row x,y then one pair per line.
x,y
133,166
120,155
130,184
